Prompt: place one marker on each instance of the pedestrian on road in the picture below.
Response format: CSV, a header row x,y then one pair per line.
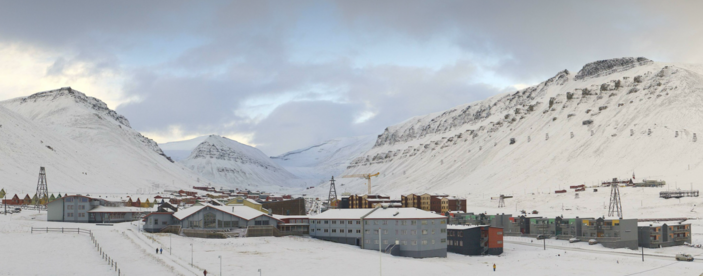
x,y
157,251
161,251
205,272
494,267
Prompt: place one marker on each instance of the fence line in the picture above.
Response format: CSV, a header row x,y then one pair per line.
x,y
109,260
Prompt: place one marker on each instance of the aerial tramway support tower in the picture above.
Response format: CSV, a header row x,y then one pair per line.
x,y
615,201
332,196
42,190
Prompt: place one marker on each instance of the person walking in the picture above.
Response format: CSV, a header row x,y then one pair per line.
x,y
157,250
161,251
205,272
494,267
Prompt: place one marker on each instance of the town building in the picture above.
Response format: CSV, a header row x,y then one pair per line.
x,y
78,208
475,240
293,225
438,203
407,232
286,207
369,201
655,235
209,217
612,232
251,203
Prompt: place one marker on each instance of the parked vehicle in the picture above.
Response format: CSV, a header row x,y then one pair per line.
x,y
593,242
541,237
573,240
17,210
684,257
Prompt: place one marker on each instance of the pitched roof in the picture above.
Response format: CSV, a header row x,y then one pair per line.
x,y
243,212
378,213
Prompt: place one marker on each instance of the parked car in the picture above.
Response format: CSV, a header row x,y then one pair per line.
x,y
684,257
17,210
541,237
573,240
593,242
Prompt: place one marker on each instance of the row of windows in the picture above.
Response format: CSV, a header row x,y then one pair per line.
x,y
80,207
80,215
376,222
404,242
385,231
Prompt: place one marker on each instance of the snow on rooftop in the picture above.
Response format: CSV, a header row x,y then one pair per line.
x,y
240,211
463,227
106,209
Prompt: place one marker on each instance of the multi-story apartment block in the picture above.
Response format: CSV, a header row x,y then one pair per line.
x,y
612,233
654,235
475,239
401,231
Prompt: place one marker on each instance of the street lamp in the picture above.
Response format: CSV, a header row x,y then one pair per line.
x,y
191,254
220,257
170,244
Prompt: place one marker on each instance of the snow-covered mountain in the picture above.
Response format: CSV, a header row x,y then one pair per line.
x,y
232,164
611,119
327,159
85,147
180,150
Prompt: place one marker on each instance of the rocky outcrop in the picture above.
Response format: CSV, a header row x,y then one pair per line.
x,y
610,66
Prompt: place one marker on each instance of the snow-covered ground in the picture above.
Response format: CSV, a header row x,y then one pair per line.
x,y
134,252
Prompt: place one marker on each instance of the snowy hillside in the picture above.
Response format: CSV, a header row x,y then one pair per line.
x,y
220,160
84,146
611,119
326,159
180,150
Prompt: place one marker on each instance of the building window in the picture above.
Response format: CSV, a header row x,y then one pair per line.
x,y
461,243
499,233
459,233
404,242
349,222
366,222
443,230
443,240
334,230
414,242
325,221
386,231
424,242
81,207
209,220
376,232
81,215
357,222
325,230
413,232
359,231
318,229
432,241
424,222
334,222
163,222
413,222
442,222
499,242
386,241
83,199
70,215
366,231
69,207
425,232
312,230
433,232
69,199
375,222
156,221
403,232
349,230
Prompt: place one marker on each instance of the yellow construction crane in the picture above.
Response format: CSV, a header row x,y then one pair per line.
x,y
367,176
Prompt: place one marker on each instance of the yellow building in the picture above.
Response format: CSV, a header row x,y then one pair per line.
x,y
240,200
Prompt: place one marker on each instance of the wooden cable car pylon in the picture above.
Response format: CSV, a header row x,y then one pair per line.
x,y
367,176
501,200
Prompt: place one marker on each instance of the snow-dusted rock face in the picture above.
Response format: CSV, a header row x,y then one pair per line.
x,y
614,117
610,66
66,92
321,161
230,163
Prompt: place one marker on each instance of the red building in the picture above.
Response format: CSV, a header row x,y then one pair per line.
x,y
14,201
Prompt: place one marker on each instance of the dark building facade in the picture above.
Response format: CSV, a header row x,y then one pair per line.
x,y
475,240
293,207
655,235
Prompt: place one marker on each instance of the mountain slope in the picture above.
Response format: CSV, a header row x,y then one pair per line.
x,y
84,146
612,118
324,160
180,150
230,163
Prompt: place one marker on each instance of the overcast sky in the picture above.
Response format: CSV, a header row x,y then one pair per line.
x,y
283,75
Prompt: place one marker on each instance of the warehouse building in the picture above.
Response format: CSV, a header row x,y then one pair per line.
x,y
475,240
79,208
400,231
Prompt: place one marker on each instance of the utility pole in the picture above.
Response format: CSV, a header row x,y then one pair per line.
x,y
191,255
543,243
642,253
